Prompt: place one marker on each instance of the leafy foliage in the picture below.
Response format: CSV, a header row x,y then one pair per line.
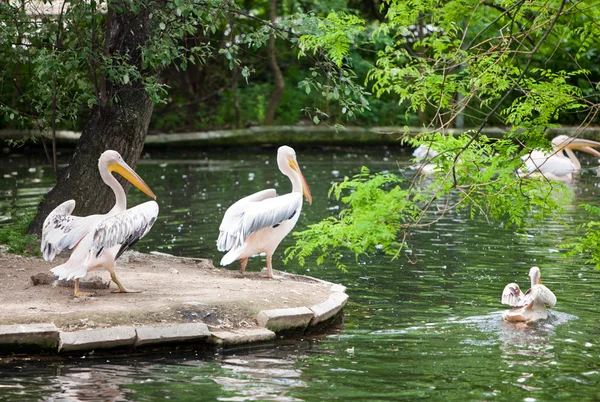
x,y
376,208
461,64
490,63
13,235
589,243
335,34
483,182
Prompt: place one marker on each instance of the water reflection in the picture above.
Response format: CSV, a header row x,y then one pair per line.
x,y
255,378
103,382
424,327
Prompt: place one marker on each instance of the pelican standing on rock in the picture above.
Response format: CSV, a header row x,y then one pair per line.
x,y
557,165
259,222
99,240
531,305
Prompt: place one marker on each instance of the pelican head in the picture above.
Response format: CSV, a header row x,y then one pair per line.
x,y
535,275
286,158
112,161
575,144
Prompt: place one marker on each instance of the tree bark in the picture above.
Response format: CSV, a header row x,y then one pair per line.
x,y
119,122
421,27
279,83
235,76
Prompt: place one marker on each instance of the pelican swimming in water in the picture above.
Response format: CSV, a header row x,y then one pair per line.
x,y
557,165
531,305
423,156
98,240
259,222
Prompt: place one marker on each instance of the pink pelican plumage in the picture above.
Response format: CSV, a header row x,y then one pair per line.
x,y
259,222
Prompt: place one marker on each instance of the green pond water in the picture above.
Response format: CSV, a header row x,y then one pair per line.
x,y
429,329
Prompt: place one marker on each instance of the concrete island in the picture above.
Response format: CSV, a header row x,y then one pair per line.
x,y
180,300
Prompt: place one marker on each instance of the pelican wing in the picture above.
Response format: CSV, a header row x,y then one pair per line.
x,y
422,153
541,294
62,230
513,296
270,213
548,163
125,228
229,230
254,215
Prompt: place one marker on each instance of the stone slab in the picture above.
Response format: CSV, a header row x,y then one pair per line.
x,y
29,336
242,336
99,338
171,333
285,318
329,308
336,287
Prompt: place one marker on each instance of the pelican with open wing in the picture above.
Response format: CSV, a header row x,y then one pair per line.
x,y
259,222
99,240
531,305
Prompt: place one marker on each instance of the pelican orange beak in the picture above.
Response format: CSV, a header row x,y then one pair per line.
x,y
305,190
128,173
578,144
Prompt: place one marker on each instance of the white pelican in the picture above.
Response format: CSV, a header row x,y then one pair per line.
x,y
423,156
531,305
258,222
557,165
99,240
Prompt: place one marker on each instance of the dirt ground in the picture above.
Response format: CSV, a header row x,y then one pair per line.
x,y
173,290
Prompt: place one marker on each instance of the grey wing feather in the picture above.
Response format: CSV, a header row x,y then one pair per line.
x,y
513,296
230,235
271,212
62,230
125,228
254,216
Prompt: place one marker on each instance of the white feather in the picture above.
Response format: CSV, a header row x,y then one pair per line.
x,y
124,228
230,235
62,230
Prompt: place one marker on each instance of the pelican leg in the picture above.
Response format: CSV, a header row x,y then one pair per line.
x,y
269,266
122,289
270,274
244,262
77,293
110,267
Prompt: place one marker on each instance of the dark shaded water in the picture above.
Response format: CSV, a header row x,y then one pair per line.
x,y
428,330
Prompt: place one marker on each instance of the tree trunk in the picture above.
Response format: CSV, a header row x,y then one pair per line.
x,y
421,111
279,83
235,76
119,122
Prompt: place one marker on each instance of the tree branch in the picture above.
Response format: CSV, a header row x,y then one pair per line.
x,y
509,91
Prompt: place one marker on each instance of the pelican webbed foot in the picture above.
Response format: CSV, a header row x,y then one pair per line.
x,y
268,274
122,289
